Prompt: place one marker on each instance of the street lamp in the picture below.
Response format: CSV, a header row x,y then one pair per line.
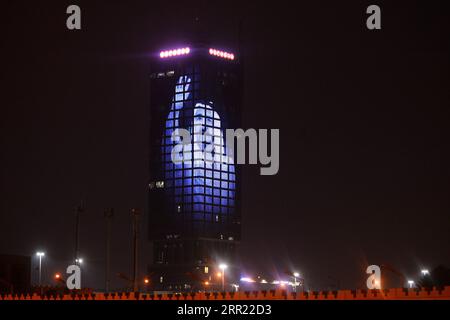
x,y
425,272
411,283
79,261
296,275
59,278
146,283
222,267
40,254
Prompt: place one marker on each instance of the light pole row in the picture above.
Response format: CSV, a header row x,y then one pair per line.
x,y
41,254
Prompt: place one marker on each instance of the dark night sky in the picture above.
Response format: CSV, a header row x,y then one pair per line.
x,y
363,118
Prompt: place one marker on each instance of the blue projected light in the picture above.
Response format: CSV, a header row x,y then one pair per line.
x,y
199,184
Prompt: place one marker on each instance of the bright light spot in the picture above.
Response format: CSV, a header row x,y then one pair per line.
x,y
223,266
296,274
159,184
219,274
425,272
40,254
221,54
174,52
245,279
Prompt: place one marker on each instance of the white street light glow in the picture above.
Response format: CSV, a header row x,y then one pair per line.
x,y
223,266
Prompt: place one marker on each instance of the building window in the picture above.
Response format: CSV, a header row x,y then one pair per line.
x,y
200,188
206,269
161,279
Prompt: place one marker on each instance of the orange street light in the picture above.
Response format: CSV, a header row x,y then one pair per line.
x,y
58,277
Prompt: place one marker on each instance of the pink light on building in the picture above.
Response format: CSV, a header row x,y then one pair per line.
x,y
174,52
221,54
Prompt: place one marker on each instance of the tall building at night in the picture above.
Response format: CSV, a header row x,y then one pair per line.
x,y
194,205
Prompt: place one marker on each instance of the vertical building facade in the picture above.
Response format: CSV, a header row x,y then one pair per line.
x,y
194,188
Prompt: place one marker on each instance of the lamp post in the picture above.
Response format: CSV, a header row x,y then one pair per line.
x,y
109,213
222,267
80,210
425,272
40,255
296,275
79,262
135,214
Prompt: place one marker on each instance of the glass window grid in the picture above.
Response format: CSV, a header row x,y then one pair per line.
x,y
215,195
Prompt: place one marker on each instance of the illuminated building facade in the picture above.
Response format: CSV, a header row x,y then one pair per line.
x,y
194,204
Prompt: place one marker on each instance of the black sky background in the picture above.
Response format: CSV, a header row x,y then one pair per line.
x,y
363,118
